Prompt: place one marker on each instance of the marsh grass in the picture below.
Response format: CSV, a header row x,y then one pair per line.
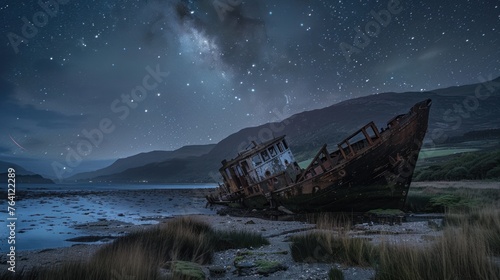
x,y
139,255
461,253
331,242
466,249
335,274
337,222
180,239
486,220
328,247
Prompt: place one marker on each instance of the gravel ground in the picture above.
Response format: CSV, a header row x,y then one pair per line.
x,y
278,233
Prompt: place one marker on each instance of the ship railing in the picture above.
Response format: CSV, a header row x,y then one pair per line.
x,y
356,143
269,184
322,162
363,138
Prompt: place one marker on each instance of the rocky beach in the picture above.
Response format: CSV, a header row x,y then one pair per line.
x,y
277,232
91,219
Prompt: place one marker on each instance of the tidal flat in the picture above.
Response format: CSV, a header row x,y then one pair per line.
x,y
295,247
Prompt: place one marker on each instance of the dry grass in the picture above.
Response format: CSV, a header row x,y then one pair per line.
x,y
327,247
465,250
140,255
486,220
331,243
462,253
333,221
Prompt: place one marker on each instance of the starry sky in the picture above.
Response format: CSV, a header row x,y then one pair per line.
x,y
136,76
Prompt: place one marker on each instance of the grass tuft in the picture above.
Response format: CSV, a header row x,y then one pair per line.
x,y
335,274
486,220
466,250
454,256
181,244
327,247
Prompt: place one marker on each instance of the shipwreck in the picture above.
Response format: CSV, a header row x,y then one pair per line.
x,y
369,169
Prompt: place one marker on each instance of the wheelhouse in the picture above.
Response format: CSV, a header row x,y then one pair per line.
x,y
261,169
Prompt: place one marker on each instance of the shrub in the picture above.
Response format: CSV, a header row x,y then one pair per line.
x,y
423,175
445,202
325,247
457,173
473,166
493,173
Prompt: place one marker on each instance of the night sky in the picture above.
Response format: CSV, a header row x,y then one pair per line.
x,y
137,76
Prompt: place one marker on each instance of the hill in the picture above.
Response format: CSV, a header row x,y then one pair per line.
x,y
19,169
455,111
22,175
144,159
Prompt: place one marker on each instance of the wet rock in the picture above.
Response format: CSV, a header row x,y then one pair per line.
x,y
91,238
217,271
265,267
184,270
250,222
244,268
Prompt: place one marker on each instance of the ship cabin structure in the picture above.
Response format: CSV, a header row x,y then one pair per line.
x,y
259,170
369,169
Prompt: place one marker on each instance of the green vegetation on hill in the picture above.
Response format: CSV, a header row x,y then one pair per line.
x,y
467,166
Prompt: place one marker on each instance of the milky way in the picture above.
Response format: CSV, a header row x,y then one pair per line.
x,y
137,76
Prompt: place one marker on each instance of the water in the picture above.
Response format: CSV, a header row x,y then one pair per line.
x,y
47,215
107,187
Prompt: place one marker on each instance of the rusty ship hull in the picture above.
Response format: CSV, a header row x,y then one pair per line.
x,y
370,169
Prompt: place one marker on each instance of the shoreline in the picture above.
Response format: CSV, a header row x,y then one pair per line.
x,y
162,203
277,232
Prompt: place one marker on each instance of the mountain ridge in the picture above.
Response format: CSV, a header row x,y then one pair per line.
x,y
144,158
455,110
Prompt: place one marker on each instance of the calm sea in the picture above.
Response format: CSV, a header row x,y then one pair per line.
x,y
48,215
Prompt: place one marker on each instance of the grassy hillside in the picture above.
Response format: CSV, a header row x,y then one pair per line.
x,y
466,166
454,112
